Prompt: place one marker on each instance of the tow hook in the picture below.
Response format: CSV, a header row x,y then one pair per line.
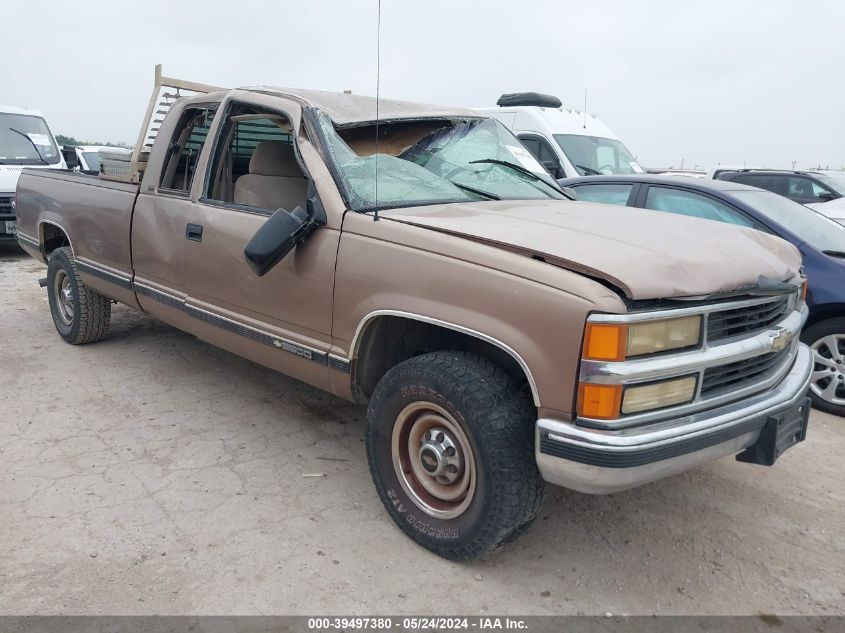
x,y
42,283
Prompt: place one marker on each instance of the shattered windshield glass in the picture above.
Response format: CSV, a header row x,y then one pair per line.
x,y
475,159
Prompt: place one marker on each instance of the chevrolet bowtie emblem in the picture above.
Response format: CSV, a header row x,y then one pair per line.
x,y
779,339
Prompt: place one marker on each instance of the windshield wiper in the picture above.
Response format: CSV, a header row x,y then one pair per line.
x,y
520,169
480,192
834,253
590,171
37,151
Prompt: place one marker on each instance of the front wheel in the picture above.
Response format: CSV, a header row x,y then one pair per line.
x,y
80,314
827,342
450,447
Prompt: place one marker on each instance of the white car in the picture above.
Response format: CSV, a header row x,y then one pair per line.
x,y
837,174
689,173
25,141
566,142
88,158
834,209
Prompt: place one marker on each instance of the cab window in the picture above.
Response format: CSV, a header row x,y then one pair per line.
x,y
694,205
544,154
254,162
185,148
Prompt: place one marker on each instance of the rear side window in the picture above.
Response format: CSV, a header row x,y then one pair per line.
x,y
745,179
763,181
617,193
184,149
694,205
769,183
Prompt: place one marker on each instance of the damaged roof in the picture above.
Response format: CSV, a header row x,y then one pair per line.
x,y
349,109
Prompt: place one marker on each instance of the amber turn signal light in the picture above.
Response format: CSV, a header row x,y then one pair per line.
x,y
605,341
599,401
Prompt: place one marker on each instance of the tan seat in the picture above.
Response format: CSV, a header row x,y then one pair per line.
x,y
274,181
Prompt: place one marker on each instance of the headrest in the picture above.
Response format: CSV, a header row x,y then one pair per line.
x,y
274,158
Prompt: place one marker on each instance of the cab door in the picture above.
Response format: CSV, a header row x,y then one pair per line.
x,y
163,208
254,167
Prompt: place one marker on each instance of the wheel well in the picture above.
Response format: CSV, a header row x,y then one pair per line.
x,y
825,312
386,341
52,237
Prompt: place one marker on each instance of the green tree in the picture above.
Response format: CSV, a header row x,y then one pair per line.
x,y
61,139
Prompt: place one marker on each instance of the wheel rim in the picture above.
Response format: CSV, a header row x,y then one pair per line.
x,y
64,297
828,378
434,460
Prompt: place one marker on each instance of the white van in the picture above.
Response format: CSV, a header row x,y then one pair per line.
x,y
25,141
567,143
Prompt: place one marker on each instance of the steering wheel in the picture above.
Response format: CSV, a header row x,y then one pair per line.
x,y
608,168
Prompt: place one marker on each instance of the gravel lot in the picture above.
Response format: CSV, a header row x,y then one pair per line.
x,y
153,473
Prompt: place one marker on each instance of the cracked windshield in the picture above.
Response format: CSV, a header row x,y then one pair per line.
x,y
436,162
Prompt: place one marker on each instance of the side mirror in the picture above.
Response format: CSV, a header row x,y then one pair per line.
x,y
276,238
827,196
71,159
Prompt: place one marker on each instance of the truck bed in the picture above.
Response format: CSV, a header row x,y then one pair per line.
x,y
97,213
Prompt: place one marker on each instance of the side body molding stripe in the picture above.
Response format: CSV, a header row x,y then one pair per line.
x,y
95,271
29,240
255,334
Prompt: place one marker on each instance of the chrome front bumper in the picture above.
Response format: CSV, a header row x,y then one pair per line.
x,y
601,461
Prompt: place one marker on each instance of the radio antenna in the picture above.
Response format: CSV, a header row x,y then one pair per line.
x,y
378,86
585,107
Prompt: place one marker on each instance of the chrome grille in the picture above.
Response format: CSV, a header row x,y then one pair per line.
x,y
741,372
746,320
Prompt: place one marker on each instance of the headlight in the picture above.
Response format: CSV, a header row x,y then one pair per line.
x,y
617,341
606,402
658,395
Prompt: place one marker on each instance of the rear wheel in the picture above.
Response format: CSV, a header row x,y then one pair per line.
x,y
827,342
450,447
80,314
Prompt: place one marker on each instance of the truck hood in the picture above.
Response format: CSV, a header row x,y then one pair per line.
x,y
646,254
9,175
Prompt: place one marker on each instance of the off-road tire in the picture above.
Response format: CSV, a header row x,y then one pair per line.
x,y
811,335
498,420
91,314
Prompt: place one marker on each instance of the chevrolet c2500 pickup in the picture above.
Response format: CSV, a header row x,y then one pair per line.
x,y
501,334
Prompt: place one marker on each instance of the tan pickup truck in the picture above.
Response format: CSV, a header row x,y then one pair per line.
x,y
501,334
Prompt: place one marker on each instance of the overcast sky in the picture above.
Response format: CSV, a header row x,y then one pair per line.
x,y
710,82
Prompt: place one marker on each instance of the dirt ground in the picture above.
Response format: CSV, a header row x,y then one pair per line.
x,y
153,473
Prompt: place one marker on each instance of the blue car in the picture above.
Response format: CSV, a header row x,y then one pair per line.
x,y
820,240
